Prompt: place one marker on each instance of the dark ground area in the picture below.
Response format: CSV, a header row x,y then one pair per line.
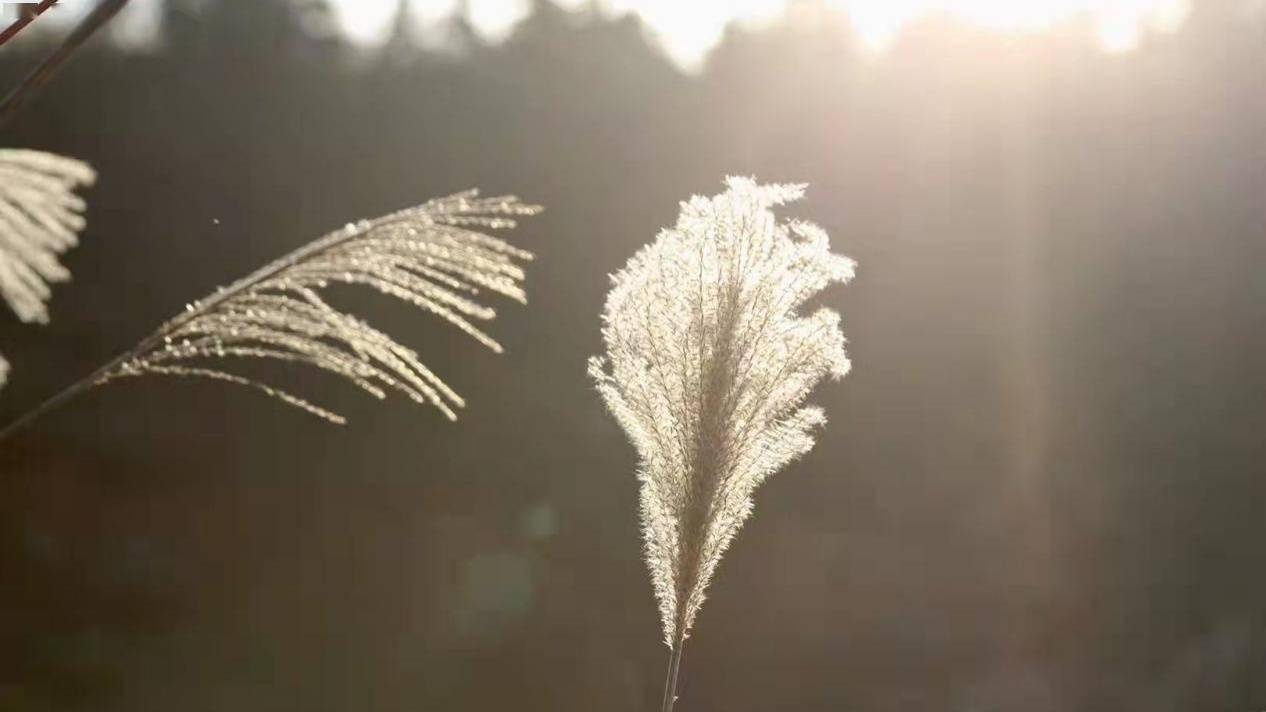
x,y
1040,490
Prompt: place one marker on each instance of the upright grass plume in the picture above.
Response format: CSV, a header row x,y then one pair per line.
x,y
40,218
436,256
707,368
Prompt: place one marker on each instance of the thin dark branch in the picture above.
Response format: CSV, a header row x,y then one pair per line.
x,y
40,76
26,17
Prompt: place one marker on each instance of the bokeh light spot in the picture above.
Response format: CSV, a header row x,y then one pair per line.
x,y
497,588
539,522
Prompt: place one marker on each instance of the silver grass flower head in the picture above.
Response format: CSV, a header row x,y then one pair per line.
x,y
708,364
437,257
40,217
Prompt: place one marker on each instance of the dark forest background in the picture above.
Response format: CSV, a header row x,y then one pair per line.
x,y
1041,488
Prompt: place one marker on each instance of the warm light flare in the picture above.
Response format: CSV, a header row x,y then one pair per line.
x,y
1118,24
689,29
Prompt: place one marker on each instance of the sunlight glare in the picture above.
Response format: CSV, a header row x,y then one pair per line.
x,y
494,20
688,30
366,21
1119,25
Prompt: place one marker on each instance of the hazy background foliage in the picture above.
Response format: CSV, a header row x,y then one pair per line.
x,y
1041,488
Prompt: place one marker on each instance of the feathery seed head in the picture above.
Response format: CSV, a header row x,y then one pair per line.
x,y
432,256
707,368
40,216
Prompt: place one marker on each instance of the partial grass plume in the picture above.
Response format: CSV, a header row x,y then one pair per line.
x,y
40,218
708,364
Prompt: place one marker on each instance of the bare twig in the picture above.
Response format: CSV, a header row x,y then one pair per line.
x,y
25,17
40,76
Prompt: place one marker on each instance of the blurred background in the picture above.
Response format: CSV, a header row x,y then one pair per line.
x,y
1041,489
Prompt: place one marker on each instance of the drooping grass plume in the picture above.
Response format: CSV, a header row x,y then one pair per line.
x,y
40,217
436,256
707,368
